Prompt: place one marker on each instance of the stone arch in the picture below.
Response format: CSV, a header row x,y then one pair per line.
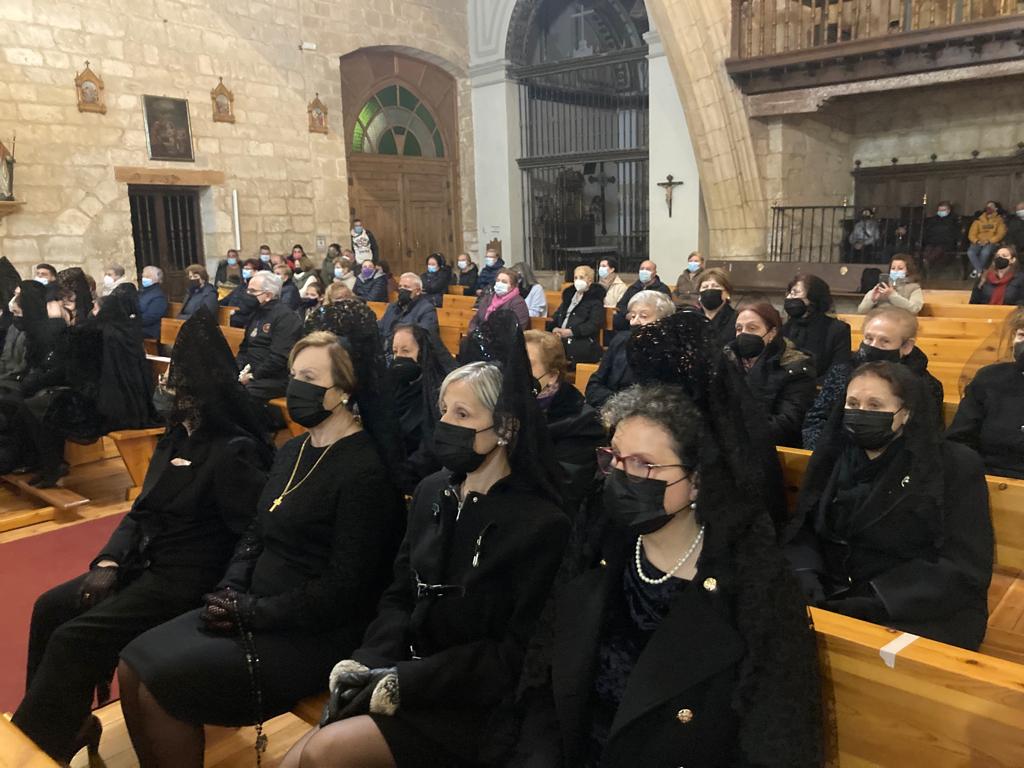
x,y
523,20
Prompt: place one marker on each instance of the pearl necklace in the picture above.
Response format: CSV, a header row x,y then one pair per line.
x,y
679,563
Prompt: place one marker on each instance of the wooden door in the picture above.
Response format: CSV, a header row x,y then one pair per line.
x,y
167,232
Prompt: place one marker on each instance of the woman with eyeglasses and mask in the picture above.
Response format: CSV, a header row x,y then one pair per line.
x,y
892,523
662,655
824,337
1002,282
780,375
431,683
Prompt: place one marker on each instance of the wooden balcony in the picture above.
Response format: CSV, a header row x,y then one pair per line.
x,y
780,45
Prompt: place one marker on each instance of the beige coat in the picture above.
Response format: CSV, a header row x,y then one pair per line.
x,y
905,295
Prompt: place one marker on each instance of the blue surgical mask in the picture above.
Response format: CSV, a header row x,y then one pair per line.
x,y
942,214
431,268
602,272
43,280
246,273
693,266
358,230
264,257
896,274
489,262
645,275
232,260
146,282
339,272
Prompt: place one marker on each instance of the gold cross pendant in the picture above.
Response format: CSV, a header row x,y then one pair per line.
x,y
277,503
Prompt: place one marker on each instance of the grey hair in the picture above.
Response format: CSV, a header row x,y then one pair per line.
x,y
118,270
271,283
483,378
156,270
416,280
667,407
525,271
656,300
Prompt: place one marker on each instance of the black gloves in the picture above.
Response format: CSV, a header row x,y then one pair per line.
x,y
226,610
97,586
357,690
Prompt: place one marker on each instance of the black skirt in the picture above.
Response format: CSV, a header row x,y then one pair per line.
x,y
203,679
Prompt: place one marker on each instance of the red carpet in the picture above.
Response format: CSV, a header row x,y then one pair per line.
x,y
29,567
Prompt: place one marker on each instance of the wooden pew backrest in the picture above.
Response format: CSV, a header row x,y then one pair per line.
x,y
948,350
995,312
942,327
458,302
378,307
583,373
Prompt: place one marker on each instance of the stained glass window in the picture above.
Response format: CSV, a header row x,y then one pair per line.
x,y
395,122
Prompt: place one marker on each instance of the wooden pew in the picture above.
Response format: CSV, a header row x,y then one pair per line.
x,y
458,302
583,373
942,327
948,350
456,290
136,447
539,323
451,337
170,327
378,307
59,499
954,375
174,308
554,301
224,315
456,318
294,428
949,406
18,751
994,312
936,296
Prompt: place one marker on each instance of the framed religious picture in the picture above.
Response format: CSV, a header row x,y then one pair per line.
x,y
317,116
6,174
223,102
168,130
89,86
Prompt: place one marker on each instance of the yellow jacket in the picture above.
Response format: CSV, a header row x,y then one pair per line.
x,y
988,227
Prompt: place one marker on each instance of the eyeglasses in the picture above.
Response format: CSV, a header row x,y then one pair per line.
x,y
253,292
634,469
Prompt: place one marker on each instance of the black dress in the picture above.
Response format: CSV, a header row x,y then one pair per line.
x,y
317,565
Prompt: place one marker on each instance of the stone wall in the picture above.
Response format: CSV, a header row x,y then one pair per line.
x,y
292,184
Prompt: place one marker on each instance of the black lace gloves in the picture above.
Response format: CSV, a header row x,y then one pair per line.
x,y
99,584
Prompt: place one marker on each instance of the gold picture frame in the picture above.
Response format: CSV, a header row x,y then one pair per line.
x,y
317,112
222,101
89,87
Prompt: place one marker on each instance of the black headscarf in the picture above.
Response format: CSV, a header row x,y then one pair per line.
x,y
355,325
125,397
778,694
436,362
500,341
40,330
72,285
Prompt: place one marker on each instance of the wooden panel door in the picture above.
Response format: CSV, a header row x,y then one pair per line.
x,y
167,232
429,225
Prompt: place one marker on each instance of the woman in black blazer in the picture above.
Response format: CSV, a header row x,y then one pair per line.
x,y
686,642
433,680
893,523
579,319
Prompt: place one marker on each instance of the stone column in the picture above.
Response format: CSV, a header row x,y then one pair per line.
x,y
499,196
671,152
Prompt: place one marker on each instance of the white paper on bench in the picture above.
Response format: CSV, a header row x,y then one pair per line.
x,y
889,651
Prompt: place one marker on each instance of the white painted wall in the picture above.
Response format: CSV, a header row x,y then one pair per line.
x,y
671,152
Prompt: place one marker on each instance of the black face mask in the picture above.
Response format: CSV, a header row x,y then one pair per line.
x,y
1000,262
307,303
306,403
18,322
249,303
639,505
1018,354
405,370
795,308
711,298
453,447
748,345
869,354
871,430
404,297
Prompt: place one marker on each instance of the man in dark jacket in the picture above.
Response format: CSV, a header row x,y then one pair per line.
x,y
289,292
1015,229
889,334
942,235
411,308
273,330
152,301
647,280
492,265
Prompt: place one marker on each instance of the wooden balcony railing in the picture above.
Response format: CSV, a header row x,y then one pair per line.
x,y
763,28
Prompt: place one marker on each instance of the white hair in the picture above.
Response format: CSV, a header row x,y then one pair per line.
x,y
156,271
416,280
271,283
656,300
118,270
483,378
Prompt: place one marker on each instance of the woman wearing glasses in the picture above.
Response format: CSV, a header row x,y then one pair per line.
x,y
688,643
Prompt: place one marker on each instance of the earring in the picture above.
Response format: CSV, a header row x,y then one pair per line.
x,y
502,441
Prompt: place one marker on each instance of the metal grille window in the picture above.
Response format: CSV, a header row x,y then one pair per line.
x,y
166,231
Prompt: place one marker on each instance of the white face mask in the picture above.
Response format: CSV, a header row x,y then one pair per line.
x,y
108,280
463,265
645,275
942,214
580,284
42,280
489,262
1020,213
501,288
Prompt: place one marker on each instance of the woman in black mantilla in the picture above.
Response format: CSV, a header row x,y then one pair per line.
x,y
439,665
198,496
686,641
305,578
893,522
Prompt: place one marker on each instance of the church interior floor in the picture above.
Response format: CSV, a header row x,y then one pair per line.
x,y
225,747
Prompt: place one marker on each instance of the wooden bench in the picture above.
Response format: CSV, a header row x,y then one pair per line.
x,y
583,373
937,296
223,313
958,351
294,428
19,751
969,311
451,337
378,307
171,327
455,317
943,327
954,375
458,302
60,499
136,447
456,290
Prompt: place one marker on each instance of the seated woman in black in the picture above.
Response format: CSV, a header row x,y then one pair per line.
x,y
245,305
431,684
579,319
573,425
1003,282
825,338
436,279
666,650
892,523
418,366
991,411
199,495
780,375
301,588
614,374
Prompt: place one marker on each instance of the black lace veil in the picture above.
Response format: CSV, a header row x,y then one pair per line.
x,y
72,286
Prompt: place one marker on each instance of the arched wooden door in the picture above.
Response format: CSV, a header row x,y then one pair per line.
x,y
402,145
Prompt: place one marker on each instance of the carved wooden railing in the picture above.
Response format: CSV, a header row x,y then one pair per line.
x,y
772,27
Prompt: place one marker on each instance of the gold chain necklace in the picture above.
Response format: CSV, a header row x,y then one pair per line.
x,y
288,488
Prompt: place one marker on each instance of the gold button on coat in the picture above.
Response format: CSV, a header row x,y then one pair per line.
x,y
684,716
711,584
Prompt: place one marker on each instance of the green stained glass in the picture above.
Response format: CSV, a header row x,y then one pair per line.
x,y
387,145
389,96
412,146
358,137
406,99
438,144
369,111
424,114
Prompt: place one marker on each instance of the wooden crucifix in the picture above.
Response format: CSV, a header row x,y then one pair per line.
x,y
669,186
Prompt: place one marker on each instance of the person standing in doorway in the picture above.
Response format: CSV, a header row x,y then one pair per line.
x,y
364,244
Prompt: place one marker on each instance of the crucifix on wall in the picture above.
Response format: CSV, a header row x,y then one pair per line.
x,y
580,17
669,186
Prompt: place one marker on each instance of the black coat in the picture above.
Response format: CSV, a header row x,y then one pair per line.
x,y
435,284
619,321
269,338
491,565
1015,233
585,321
990,419
945,233
467,279
576,433
244,305
782,380
723,325
191,511
826,339
614,374
983,290
917,555
204,296
690,663
290,295
486,276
